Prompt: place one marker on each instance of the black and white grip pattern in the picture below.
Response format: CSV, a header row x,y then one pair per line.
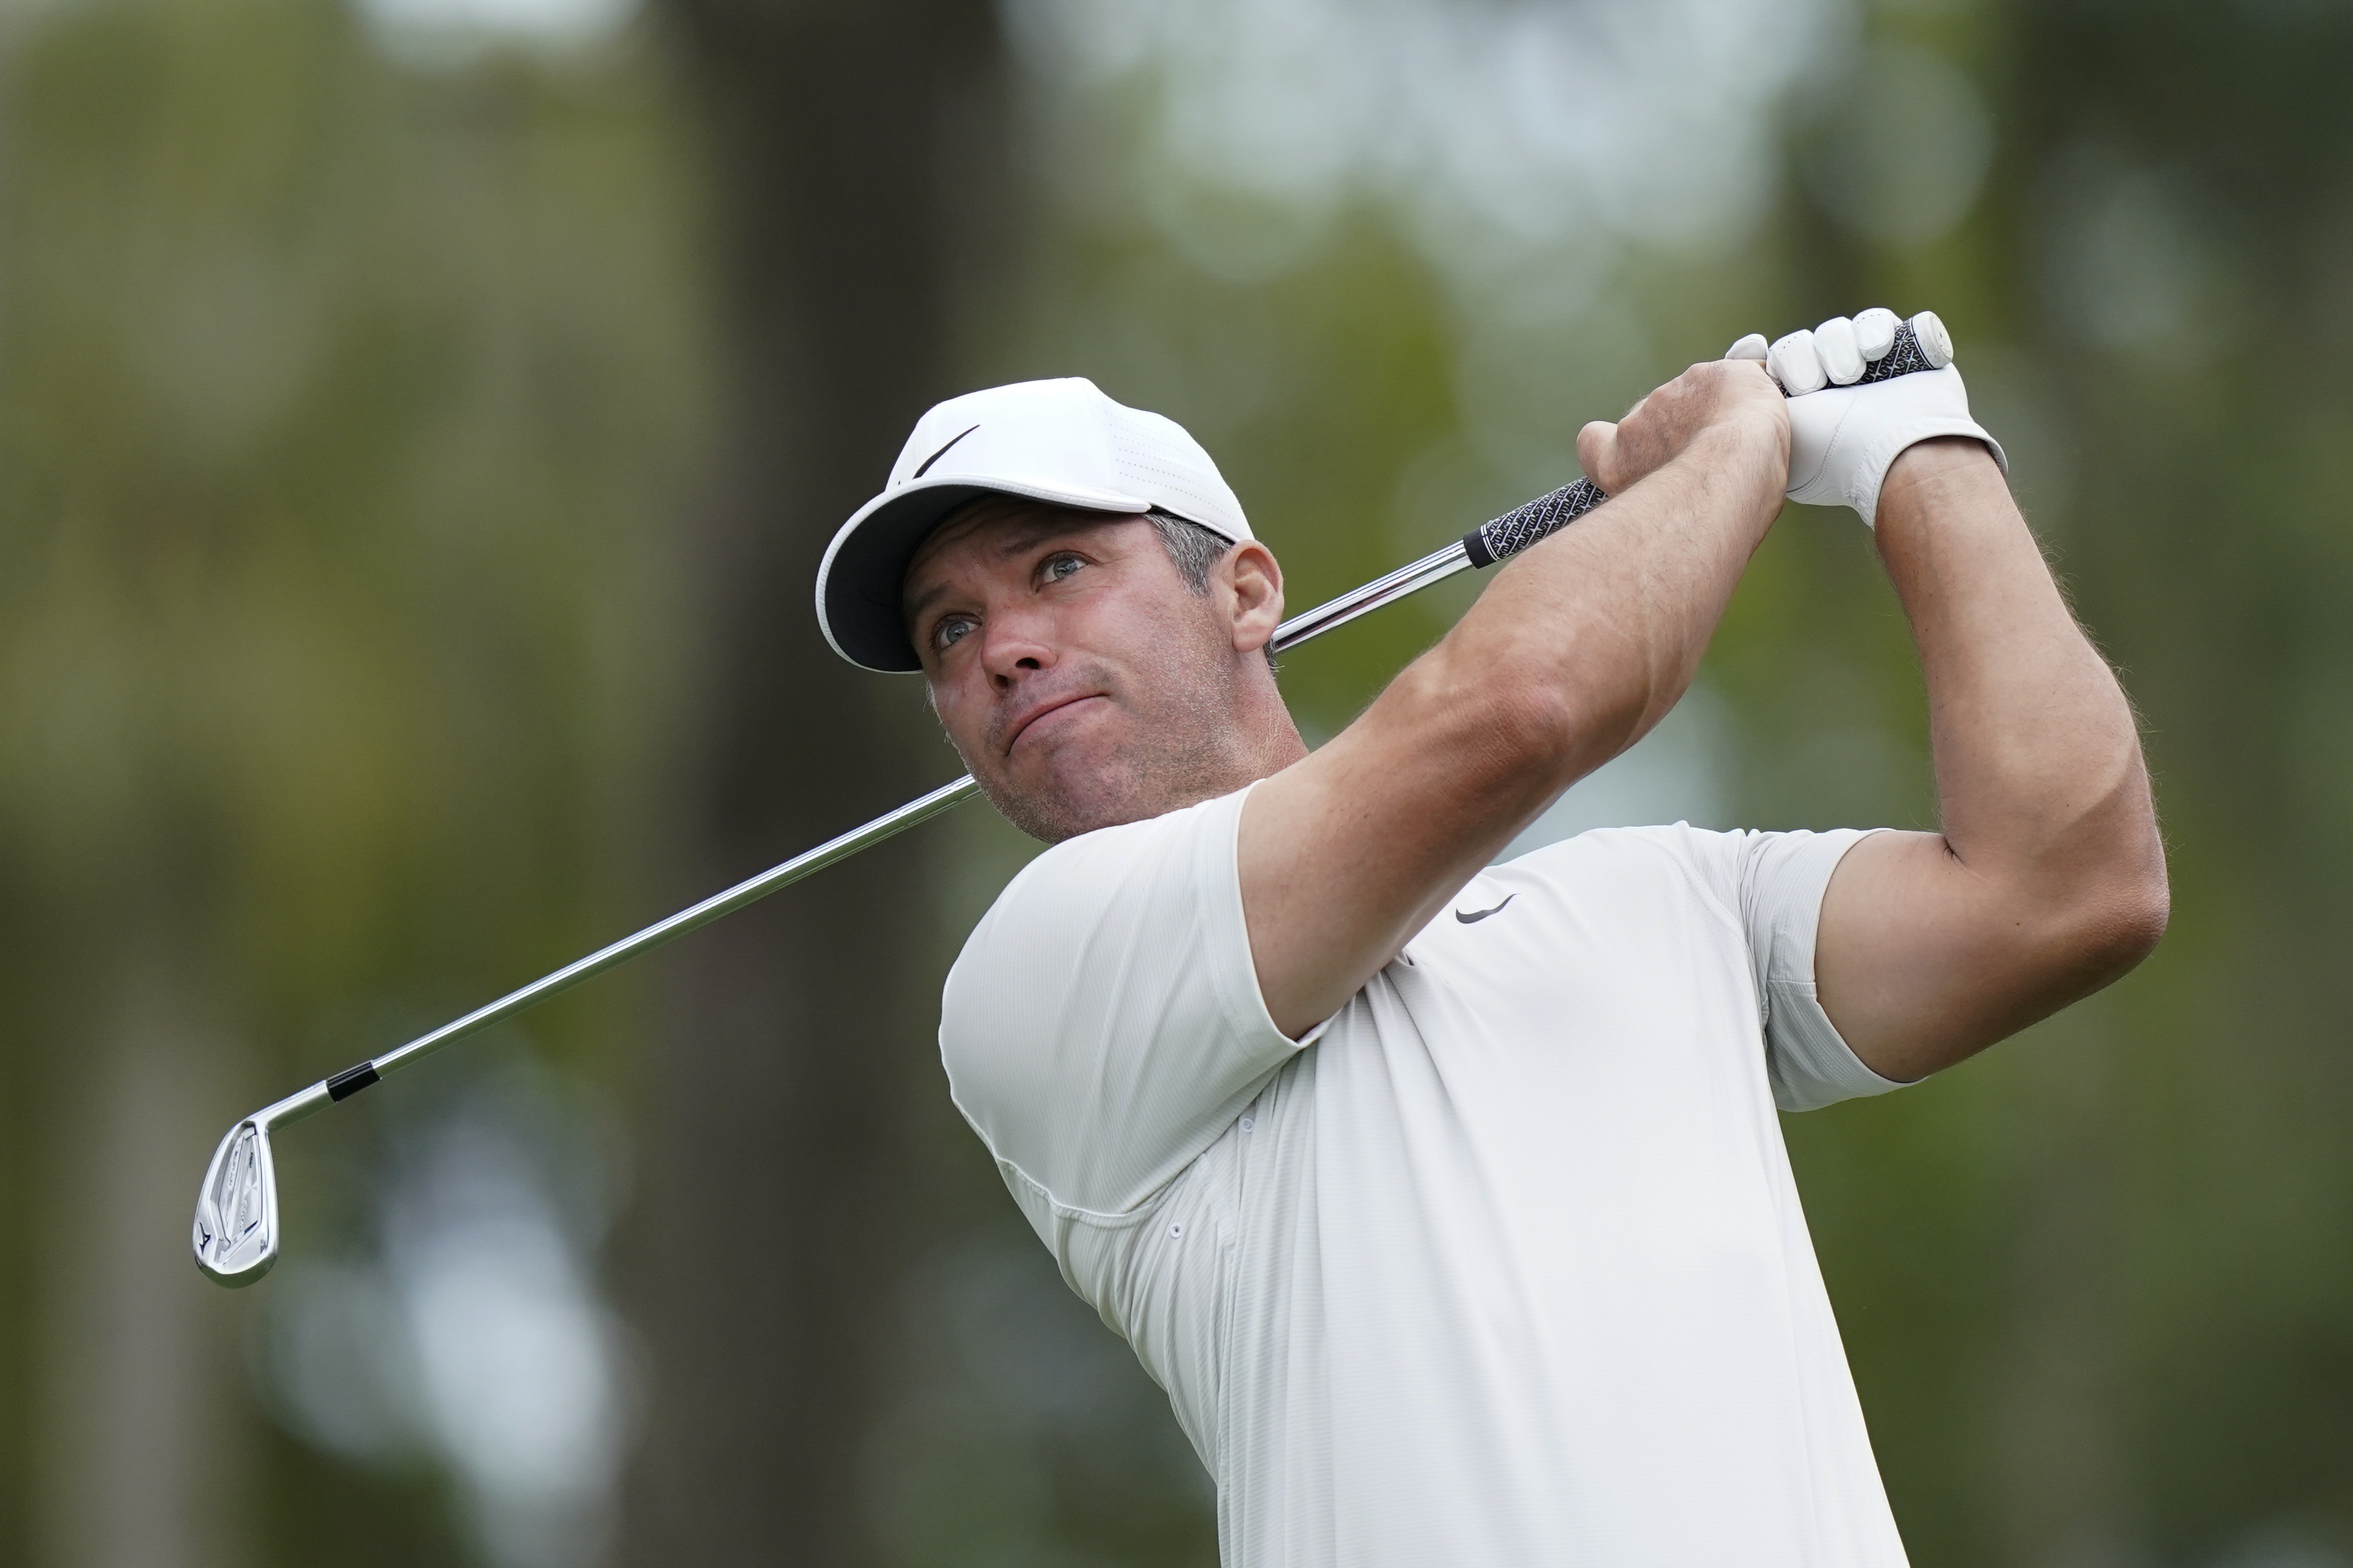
x,y
1903,356
1542,518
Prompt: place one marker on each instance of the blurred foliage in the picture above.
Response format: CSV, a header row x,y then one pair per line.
x,y
336,404
344,412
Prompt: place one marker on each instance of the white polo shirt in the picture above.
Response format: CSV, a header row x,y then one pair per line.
x,y
1502,1266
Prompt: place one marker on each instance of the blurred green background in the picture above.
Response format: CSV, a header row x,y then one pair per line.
x,y
419,421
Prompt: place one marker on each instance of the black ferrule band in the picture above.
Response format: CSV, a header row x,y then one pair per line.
x,y
351,1080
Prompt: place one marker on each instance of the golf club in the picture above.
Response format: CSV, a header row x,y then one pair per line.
x,y
236,1225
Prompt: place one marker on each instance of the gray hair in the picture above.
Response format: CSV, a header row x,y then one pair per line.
x,y
1192,550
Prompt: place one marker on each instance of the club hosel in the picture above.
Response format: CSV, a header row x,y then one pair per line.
x,y
295,1107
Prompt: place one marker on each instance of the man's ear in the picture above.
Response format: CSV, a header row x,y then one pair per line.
x,y
1253,579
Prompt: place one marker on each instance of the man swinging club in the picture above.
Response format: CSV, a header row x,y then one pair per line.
x,y
1447,1199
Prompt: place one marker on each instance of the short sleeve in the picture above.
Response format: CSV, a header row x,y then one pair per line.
x,y
1782,878
1103,1024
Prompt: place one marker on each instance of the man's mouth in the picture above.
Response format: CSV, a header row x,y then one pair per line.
x,y
1054,706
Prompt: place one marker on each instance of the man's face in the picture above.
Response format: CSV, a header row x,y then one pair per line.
x,y
1083,682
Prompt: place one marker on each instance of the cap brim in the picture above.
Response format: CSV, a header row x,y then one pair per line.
x,y
860,582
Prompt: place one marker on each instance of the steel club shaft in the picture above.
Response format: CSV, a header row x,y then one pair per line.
x,y
236,1234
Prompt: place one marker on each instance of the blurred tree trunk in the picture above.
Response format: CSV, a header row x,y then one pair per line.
x,y
841,139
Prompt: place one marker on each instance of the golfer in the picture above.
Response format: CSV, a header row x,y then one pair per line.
x,y
1447,1198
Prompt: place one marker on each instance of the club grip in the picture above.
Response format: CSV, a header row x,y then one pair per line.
x,y
1542,518
1906,354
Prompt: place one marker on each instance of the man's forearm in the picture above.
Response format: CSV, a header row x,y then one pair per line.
x,y
1605,624
2048,879
1578,646
2039,773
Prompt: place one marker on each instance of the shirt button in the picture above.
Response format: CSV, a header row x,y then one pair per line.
x,y
1250,1124
1177,1232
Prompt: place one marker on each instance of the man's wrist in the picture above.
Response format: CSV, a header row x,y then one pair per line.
x,y
1928,470
1753,446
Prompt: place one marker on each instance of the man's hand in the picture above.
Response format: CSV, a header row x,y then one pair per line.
x,y
1843,437
1724,400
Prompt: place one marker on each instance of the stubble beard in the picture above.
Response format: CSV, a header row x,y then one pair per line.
x,y
1177,746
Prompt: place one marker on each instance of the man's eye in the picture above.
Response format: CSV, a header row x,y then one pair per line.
x,y
1057,567
951,631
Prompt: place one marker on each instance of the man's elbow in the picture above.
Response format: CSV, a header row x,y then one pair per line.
x,y
1519,732
2133,928
2113,923
2099,886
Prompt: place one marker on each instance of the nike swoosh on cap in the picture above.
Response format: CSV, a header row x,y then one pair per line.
x,y
935,457
1475,916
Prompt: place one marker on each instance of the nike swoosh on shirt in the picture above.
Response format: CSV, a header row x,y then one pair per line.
x,y
1475,916
935,457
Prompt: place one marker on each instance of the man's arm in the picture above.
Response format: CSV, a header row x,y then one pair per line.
x,y
1580,645
2048,880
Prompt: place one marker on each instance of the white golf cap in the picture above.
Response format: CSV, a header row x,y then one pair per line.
x,y
1058,441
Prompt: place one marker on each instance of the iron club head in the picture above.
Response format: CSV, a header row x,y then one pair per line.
x,y
236,1232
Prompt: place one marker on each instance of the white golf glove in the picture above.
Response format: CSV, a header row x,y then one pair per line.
x,y
1843,438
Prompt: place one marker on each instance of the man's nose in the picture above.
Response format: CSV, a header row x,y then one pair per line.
x,y
1014,642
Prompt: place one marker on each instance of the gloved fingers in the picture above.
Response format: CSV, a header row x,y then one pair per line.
x,y
1750,347
1837,352
1936,342
1874,331
1795,365
1835,346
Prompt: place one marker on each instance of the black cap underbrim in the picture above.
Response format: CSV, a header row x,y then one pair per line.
x,y
860,597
